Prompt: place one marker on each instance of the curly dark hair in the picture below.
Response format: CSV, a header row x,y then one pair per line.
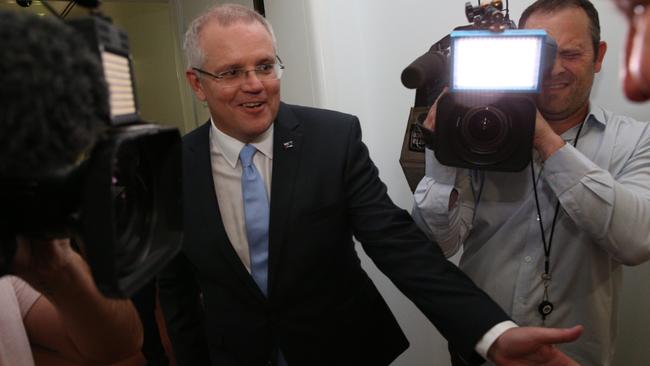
x,y
53,98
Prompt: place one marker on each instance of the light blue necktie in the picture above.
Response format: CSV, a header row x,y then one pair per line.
x,y
256,213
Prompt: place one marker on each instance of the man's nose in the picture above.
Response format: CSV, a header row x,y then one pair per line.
x,y
251,81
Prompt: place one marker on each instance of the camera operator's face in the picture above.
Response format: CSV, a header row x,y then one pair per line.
x,y
636,72
566,89
245,109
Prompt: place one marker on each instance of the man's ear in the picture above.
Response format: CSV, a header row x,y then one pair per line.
x,y
195,84
602,49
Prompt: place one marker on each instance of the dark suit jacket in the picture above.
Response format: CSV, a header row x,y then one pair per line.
x,y
322,308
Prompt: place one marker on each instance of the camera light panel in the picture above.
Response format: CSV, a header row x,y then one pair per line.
x,y
497,62
117,71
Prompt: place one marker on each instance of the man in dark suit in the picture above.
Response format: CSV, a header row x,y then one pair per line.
x,y
281,283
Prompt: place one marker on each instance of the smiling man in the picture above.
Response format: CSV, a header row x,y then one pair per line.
x,y
548,243
273,195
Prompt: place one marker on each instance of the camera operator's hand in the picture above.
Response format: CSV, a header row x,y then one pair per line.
x,y
73,320
430,121
546,141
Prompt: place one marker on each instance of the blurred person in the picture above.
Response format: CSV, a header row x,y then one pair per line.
x,y
273,195
54,104
591,170
636,69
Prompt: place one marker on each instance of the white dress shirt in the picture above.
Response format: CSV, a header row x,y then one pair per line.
x,y
226,174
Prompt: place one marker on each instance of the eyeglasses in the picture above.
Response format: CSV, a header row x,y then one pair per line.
x,y
235,77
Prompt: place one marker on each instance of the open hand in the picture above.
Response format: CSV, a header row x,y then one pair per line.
x,y
533,346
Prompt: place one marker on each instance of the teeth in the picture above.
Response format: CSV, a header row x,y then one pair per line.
x,y
251,105
559,85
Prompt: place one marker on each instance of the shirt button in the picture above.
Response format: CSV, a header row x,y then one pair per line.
x,y
528,259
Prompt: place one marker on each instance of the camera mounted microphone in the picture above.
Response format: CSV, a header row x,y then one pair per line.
x,y
429,68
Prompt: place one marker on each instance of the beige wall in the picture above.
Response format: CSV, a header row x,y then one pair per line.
x,y
153,36
153,48
196,113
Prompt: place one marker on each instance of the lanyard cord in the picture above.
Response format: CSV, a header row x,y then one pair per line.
x,y
546,307
477,197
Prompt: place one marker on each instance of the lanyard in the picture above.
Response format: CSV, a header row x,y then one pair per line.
x,y
545,307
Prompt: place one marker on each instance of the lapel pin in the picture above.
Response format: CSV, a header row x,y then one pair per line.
x,y
287,145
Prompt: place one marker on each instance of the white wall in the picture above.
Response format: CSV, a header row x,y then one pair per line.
x,y
348,55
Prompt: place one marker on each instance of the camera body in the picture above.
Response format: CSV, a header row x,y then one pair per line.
x,y
485,131
487,120
121,202
492,72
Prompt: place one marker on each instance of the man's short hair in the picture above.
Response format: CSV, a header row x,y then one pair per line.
x,y
549,6
224,15
53,98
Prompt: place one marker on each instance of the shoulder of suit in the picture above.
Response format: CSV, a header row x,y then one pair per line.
x,y
310,113
197,133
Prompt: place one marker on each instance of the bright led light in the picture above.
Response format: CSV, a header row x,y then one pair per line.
x,y
483,61
117,72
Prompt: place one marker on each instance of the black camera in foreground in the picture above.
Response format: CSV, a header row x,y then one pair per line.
x,y
121,204
492,72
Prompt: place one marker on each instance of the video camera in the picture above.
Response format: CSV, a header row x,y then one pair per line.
x,y
487,119
122,202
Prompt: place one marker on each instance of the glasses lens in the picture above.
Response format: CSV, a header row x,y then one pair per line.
x,y
269,72
266,72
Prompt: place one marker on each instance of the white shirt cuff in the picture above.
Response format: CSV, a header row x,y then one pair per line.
x,y
488,338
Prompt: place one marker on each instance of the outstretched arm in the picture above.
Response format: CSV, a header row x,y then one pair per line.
x,y
532,346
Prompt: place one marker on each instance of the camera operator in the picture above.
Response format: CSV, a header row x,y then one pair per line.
x,y
549,246
53,103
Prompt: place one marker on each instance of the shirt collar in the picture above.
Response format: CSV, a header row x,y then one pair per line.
x,y
596,114
230,147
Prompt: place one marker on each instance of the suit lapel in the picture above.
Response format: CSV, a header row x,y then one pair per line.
x,y
201,173
287,146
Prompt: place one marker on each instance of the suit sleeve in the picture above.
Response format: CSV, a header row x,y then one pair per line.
x,y
458,309
180,300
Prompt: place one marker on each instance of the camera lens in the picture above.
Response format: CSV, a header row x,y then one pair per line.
x,y
132,190
484,130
